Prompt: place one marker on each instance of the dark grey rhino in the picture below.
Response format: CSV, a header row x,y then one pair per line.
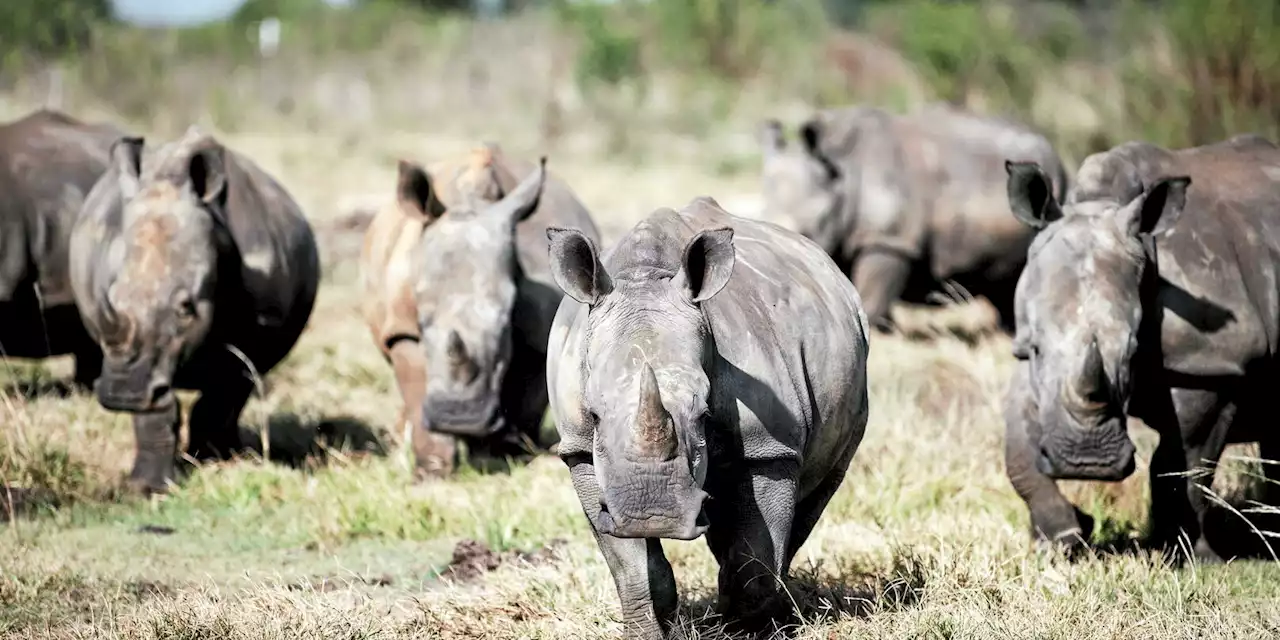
x,y
48,163
908,204
1153,292
707,375
193,269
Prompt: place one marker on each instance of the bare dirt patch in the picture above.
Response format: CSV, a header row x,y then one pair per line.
x,y
473,559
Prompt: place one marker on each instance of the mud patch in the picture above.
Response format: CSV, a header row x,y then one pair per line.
x,y
472,559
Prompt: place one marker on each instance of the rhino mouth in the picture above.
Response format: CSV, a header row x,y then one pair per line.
x,y
654,501
464,418
135,390
1103,468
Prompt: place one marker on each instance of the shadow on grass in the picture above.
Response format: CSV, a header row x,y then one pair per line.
x,y
1240,532
297,443
816,597
37,387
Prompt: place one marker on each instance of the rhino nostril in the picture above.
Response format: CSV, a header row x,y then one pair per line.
x,y
159,392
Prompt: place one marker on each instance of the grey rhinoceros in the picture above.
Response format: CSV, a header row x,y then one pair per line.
x,y
1153,292
908,204
458,296
48,163
707,375
193,269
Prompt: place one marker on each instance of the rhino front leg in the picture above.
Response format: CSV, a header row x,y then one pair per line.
x,y
751,522
1181,467
156,441
880,276
434,454
1054,520
88,358
214,424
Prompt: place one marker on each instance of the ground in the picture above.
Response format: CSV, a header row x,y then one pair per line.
x,y
324,535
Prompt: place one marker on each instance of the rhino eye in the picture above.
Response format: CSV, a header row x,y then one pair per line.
x,y
185,307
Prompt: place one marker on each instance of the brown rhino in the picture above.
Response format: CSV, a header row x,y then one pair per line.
x,y
908,203
48,163
193,269
459,297
1152,292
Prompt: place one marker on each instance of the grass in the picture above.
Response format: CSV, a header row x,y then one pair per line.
x,y
325,536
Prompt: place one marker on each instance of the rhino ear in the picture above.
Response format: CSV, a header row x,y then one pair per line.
x,y
1159,208
415,193
708,263
126,157
1031,194
576,267
524,199
207,172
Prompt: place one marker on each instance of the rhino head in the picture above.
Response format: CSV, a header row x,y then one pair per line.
x,y
159,309
467,278
645,383
802,184
1078,306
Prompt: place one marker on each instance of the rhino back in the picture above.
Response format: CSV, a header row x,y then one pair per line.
x,y
1220,264
50,162
790,339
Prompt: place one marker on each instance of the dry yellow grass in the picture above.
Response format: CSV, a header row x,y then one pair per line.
x,y
924,540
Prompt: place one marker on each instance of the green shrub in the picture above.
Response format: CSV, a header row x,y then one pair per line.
x,y
48,27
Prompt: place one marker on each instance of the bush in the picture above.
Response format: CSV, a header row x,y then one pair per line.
x,y
49,27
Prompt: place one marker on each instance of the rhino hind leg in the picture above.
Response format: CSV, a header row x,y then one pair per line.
x,y
750,538
88,360
1179,505
880,277
156,442
214,428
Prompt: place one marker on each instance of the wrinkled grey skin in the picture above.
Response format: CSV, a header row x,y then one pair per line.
x,y
183,256
1185,342
707,375
48,162
908,203
485,300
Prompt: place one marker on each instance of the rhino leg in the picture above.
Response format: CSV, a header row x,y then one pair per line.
x,y
811,507
156,440
880,278
1181,466
88,359
214,423
1054,520
750,538
434,454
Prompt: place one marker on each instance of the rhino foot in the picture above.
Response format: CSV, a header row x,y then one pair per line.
x,y
435,455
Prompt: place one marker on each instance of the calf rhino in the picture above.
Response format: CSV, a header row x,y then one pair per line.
x,y
48,162
193,269
1153,292
707,375
458,297
908,204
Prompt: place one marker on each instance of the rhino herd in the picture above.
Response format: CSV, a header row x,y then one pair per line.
x,y
706,373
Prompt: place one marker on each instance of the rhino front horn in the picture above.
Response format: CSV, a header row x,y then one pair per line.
x,y
655,434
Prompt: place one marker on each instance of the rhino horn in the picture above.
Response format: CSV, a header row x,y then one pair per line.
x,y
1092,385
655,434
459,361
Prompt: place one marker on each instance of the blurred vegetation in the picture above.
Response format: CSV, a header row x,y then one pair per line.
x,y
1091,74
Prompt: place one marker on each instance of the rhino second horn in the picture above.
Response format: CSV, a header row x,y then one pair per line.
x,y
655,434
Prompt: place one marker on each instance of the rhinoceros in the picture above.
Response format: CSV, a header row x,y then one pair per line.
x,y
1153,292
458,297
193,269
707,375
48,163
910,205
